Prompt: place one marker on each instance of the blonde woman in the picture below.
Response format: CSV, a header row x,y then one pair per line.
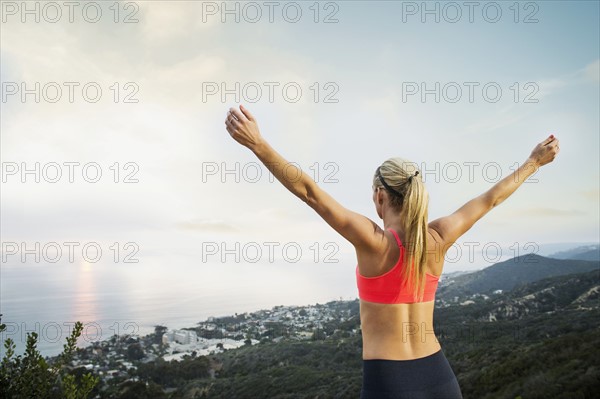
x,y
401,356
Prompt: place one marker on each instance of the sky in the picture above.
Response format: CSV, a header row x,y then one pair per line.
x,y
139,91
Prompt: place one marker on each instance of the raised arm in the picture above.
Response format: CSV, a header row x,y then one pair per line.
x,y
356,228
451,227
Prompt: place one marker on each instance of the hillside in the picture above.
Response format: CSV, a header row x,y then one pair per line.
x,y
537,340
586,252
509,274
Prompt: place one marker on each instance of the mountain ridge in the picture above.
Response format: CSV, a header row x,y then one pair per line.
x,y
511,273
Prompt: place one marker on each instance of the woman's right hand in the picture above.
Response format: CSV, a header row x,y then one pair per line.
x,y
545,152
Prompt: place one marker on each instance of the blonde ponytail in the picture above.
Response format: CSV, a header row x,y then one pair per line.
x,y
404,178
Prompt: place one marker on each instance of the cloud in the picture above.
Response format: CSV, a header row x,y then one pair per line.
x,y
171,133
506,116
540,91
213,225
169,22
546,212
592,195
592,71
546,87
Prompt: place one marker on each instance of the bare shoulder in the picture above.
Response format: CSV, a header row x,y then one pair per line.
x,y
435,246
375,260
434,233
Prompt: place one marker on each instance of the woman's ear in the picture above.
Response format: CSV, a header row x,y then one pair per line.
x,y
378,196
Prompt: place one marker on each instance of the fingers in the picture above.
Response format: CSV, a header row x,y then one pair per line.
x,y
232,119
230,115
237,114
247,113
554,146
231,123
549,140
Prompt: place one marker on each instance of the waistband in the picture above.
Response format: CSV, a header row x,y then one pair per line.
x,y
407,375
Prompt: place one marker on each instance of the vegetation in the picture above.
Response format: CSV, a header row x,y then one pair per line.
x,y
31,376
539,340
549,351
509,274
565,365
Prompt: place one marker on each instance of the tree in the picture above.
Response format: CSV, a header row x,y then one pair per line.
x,y
140,390
318,334
31,376
135,352
158,334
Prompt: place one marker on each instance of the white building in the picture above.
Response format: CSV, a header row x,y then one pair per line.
x,y
183,337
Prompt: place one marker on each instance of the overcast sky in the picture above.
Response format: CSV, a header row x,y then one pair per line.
x,y
361,69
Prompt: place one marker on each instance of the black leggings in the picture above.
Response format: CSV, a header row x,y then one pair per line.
x,y
429,377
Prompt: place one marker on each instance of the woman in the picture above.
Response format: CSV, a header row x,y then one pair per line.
x,y
401,355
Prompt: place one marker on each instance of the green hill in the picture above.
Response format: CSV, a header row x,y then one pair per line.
x,y
508,274
538,340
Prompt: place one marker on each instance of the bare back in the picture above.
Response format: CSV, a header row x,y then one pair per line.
x,y
401,331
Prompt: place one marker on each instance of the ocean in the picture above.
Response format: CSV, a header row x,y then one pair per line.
x,y
116,299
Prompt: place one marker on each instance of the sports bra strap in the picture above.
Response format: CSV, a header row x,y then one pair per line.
x,y
396,236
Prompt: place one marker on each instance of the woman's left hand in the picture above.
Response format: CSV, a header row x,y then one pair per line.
x,y
242,126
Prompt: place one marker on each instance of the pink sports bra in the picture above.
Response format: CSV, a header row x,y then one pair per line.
x,y
390,288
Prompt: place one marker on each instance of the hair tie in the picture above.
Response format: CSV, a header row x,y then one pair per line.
x,y
410,177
